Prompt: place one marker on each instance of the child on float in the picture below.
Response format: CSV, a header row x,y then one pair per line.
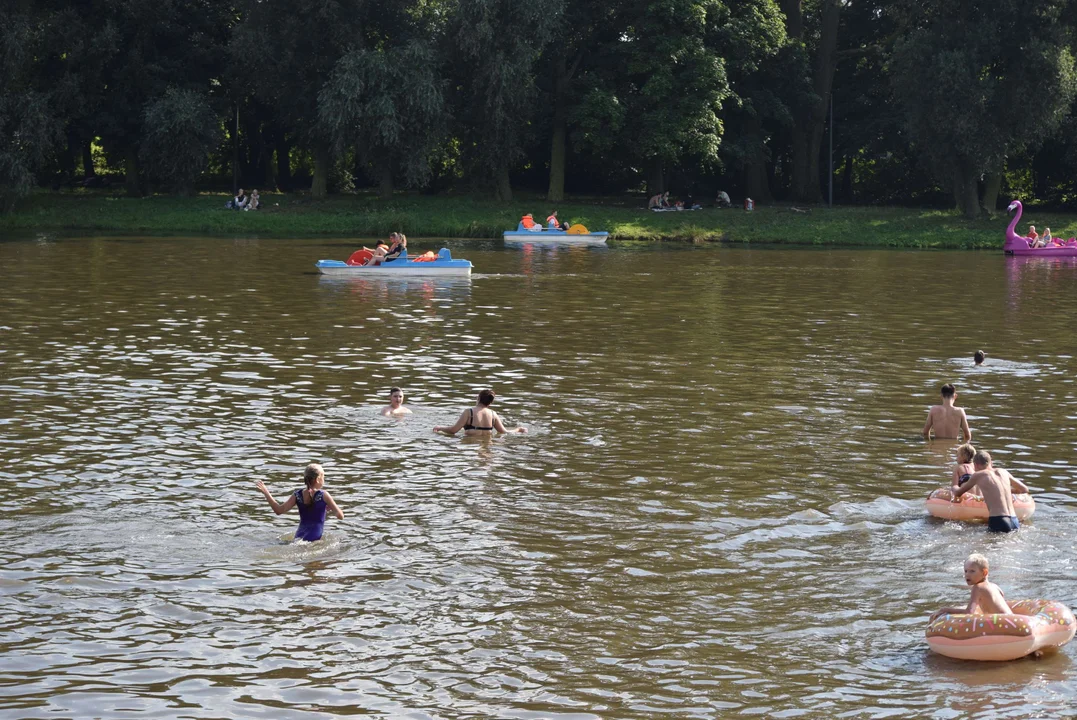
x,y
312,502
963,469
986,598
997,487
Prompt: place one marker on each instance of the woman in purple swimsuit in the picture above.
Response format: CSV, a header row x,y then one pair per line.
x,y
312,502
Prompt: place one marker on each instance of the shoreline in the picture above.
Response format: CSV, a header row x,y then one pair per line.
x,y
464,217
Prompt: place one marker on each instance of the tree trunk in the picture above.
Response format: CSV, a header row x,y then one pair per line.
x,y
808,137
847,180
130,168
992,186
67,157
385,179
966,189
756,184
504,184
556,190
87,160
284,163
270,170
319,183
656,181
794,18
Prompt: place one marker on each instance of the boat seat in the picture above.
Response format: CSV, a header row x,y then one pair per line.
x,y
444,254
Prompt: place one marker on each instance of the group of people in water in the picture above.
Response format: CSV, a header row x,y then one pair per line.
x,y
975,472
313,502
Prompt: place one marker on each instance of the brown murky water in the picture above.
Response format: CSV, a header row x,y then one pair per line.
x,y
718,511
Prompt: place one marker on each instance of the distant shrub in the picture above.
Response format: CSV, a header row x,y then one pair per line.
x,y
181,130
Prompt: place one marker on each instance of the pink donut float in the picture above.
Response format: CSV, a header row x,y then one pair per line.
x,y
1032,626
973,507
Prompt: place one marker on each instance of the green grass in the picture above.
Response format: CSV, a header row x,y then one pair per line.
x,y
363,215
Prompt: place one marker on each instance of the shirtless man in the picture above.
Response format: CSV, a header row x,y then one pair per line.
x,y
396,404
986,598
997,486
946,420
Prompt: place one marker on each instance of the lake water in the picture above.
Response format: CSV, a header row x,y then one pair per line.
x,y
717,512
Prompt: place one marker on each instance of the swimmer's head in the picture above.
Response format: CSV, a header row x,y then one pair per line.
x,y
948,390
314,476
965,453
981,459
396,397
979,356
976,569
486,396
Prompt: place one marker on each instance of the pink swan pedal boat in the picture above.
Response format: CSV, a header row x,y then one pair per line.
x,y
1017,245
1033,626
973,507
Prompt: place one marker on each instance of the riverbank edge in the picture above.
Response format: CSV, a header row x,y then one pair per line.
x,y
454,217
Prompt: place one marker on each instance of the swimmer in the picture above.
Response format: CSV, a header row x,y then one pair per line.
x,y
979,356
479,419
964,469
396,404
997,486
946,420
312,502
987,598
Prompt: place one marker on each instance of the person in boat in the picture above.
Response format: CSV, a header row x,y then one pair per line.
x,y
398,247
312,502
396,404
527,222
478,420
378,253
997,487
987,598
551,221
1032,236
722,200
963,469
979,356
946,420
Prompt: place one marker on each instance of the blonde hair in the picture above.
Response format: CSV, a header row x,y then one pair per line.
x,y
978,560
312,473
966,452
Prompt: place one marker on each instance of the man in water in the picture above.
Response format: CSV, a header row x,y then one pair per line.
x,y
979,357
396,404
946,420
997,486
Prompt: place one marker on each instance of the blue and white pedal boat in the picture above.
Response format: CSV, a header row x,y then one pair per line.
x,y
442,266
521,236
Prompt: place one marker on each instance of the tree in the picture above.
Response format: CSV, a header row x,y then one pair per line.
x,y
29,127
498,43
181,131
967,86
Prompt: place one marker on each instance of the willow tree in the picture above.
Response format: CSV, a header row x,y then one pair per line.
x,y
497,44
979,81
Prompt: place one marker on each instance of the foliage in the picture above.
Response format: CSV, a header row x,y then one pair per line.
x,y
181,130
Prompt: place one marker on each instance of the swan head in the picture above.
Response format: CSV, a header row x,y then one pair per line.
x,y
1013,206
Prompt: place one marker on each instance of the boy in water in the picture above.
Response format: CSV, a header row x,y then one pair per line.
x,y
947,420
396,404
979,357
986,599
997,486
963,470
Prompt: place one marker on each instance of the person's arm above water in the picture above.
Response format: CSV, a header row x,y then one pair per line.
x,y
965,431
278,508
964,487
500,426
953,610
1016,486
928,424
455,428
332,505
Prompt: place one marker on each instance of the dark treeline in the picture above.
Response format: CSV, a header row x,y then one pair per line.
x,y
934,101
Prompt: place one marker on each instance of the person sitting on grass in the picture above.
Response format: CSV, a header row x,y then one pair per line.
x,y
722,200
254,202
239,201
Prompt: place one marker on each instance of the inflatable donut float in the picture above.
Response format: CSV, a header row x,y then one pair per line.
x,y
973,507
1032,626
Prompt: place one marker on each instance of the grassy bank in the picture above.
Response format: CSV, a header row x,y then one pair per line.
x,y
448,216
